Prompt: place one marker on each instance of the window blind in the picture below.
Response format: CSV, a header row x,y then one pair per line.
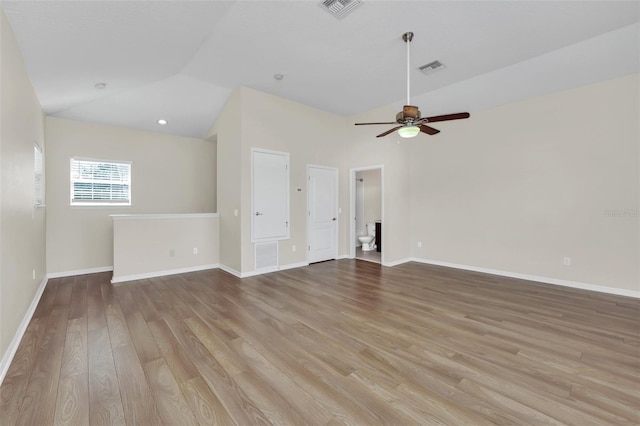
x,y
98,182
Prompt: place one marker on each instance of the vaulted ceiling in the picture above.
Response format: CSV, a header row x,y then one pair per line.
x,y
180,60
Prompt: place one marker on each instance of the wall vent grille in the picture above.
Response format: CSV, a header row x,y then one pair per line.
x,y
266,255
431,67
339,8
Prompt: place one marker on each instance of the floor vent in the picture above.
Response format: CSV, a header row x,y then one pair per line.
x,y
339,8
432,67
266,255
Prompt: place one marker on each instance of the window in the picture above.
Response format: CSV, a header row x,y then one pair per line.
x,y
38,175
100,182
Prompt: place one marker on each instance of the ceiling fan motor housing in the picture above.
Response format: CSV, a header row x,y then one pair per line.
x,y
408,113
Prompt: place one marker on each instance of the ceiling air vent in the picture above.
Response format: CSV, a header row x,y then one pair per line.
x,y
432,67
339,8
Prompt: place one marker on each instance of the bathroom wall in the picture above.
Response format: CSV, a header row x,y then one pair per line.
x,y
372,195
359,216
368,199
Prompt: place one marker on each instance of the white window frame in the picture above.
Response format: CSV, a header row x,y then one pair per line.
x,y
38,175
98,202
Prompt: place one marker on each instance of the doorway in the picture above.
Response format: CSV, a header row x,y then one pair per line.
x,y
367,213
322,213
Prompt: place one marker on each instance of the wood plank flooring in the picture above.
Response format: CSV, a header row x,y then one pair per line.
x,y
341,342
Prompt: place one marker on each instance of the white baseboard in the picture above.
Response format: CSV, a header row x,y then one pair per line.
x,y
546,280
262,271
258,272
80,272
397,262
293,266
134,277
274,269
230,270
22,328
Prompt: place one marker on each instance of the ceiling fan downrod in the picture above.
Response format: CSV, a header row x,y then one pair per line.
x,y
408,37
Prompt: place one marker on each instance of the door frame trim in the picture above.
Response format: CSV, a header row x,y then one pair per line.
x,y
352,208
337,200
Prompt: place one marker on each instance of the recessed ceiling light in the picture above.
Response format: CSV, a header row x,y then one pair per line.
x,y
163,122
100,86
278,77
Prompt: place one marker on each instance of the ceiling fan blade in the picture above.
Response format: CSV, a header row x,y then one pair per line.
x,y
363,124
447,117
388,131
428,130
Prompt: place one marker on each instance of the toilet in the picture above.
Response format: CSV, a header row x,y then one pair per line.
x,y
368,241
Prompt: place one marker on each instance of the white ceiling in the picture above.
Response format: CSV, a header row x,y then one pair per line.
x,y
180,60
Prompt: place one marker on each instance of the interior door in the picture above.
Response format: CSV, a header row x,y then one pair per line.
x,y
270,195
322,229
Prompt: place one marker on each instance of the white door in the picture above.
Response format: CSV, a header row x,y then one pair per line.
x,y
322,221
270,196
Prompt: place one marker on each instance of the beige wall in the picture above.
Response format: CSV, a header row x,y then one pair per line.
x,y
22,227
520,187
227,133
170,174
153,245
310,136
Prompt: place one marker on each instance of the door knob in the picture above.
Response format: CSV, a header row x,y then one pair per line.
x,y
258,214
333,218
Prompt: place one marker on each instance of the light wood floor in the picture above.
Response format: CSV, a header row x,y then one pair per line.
x,y
336,342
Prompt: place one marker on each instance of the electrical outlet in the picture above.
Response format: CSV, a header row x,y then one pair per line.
x,y
195,250
235,212
293,248
419,244
172,252
34,274
567,261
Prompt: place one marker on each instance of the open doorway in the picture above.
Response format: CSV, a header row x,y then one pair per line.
x,y
366,240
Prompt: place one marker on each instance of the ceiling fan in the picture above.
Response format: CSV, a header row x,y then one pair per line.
x,y
411,123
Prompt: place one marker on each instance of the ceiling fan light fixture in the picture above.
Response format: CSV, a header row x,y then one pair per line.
x,y
409,131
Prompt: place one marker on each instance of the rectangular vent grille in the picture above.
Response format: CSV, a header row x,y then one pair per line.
x,y
339,8
266,255
432,67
